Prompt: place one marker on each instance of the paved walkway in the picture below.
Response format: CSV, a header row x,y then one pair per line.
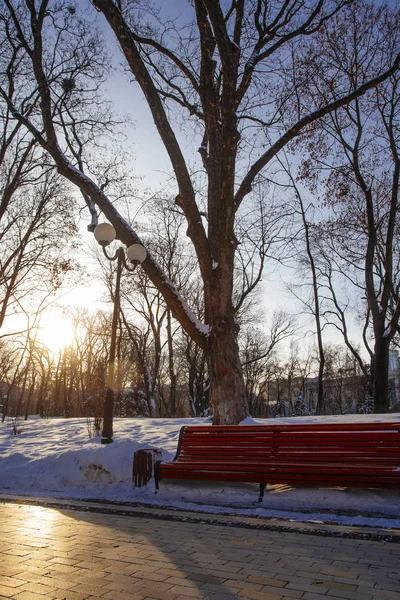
x,y
60,553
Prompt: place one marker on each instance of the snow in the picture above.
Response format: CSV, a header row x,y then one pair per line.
x,y
199,325
252,60
56,458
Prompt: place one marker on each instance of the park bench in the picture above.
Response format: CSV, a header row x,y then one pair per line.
x,y
362,454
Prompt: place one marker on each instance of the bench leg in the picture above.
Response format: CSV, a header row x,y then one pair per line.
x,y
157,474
262,489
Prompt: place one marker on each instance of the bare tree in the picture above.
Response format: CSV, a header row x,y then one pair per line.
x,y
354,154
37,233
223,75
152,329
308,260
259,350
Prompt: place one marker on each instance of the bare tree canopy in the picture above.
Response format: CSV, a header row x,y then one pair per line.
x,y
231,75
352,158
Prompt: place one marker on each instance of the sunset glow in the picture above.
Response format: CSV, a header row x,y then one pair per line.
x,y
56,332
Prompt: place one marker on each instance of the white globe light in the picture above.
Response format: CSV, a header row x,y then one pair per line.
x,y
104,233
136,253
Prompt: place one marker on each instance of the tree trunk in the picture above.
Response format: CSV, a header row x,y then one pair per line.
x,y
289,384
5,405
148,386
28,401
228,393
380,376
39,403
321,408
57,386
171,368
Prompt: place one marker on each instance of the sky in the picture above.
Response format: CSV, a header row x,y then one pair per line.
x,y
151,162
56,458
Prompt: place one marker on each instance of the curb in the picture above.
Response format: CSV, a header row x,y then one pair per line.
x,y
137,510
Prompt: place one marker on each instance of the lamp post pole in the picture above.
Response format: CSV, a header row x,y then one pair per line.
x,y
105,234
107,431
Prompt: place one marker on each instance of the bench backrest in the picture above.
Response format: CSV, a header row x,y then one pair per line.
x,y
373,442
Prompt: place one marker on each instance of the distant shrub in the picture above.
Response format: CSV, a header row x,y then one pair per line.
x,y
94,426
367,404
16,426
300,408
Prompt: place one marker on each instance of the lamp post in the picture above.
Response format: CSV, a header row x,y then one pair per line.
x,y
104,234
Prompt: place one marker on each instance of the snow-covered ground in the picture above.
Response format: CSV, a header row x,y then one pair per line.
x,y
56,458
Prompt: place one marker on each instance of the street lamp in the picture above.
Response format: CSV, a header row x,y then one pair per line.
x,y
104,234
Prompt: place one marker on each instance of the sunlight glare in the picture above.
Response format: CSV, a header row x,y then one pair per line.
x,y
56,332
38,521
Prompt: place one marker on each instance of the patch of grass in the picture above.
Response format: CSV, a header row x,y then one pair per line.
x,y
97,473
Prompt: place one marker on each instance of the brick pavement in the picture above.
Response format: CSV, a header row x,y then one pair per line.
x,y
73,555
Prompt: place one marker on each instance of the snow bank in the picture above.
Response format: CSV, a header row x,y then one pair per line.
x,y
57,458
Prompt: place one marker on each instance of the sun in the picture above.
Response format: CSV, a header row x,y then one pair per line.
x,y
55,332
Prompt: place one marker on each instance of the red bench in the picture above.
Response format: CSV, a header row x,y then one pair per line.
x,y
335,454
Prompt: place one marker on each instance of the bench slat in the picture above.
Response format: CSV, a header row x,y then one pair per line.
x,y
273,465
361,426
297,437
293,479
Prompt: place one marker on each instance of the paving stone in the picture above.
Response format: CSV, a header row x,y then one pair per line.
x,y
386,595
256,595
220,596
30,596
266,581
206,578
389,586
349,595
307,587
245,585
39,588
188,592
267,589
12,582
219,588
70,595
158,594
175,573
10,592
59,583
90,590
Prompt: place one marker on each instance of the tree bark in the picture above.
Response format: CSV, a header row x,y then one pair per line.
x,y
171,369
228,393
321,408
380,376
